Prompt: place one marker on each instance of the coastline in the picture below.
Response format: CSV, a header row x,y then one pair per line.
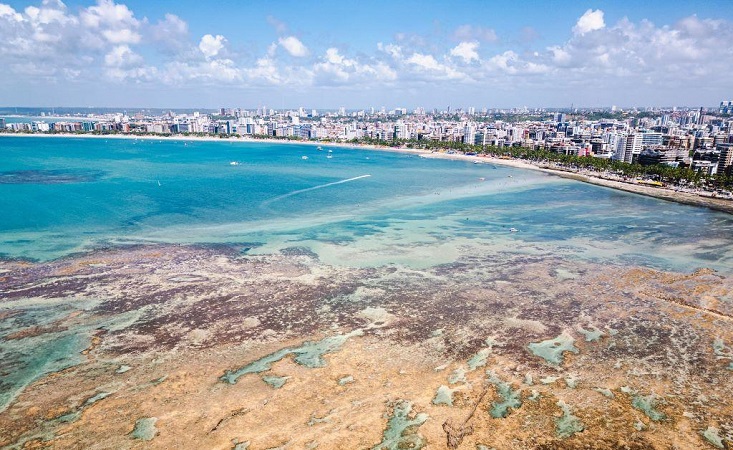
x,y
662,193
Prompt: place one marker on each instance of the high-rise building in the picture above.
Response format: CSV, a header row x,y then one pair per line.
x,y
726,156
651,139
617,144
469,134
633,147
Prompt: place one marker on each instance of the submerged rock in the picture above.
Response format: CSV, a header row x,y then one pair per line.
x,y
552,350
310,354
568,424
401,430
510,398
145,429
711,435
275,382
443,396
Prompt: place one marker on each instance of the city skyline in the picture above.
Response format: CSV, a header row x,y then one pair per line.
x,y
330,55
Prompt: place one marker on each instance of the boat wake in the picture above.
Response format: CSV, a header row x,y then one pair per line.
x,y
300,191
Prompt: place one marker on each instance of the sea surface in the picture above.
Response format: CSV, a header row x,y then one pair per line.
x,y
60,196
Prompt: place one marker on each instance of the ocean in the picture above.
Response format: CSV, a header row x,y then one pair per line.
x,y
68,195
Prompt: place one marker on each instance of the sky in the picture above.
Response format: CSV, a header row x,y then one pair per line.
x,y
361,54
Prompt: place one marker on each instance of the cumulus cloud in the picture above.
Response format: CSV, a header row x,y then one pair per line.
x,y
116,22
336,68
592,20
511,63
430,68
293,46
172,30
210,45
8,12
122,56
466,51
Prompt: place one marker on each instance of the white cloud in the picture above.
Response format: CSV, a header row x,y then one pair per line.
x,y
560,56
395,51
430,68
136,74
424,61
122,56
592,20
212,72
336,68
466,51
511,63
292,45
49,13
122,36
109,14
473,33
116,23
172,30
210,45
7,12
265,70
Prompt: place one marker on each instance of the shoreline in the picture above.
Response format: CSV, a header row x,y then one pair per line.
x,y
663,193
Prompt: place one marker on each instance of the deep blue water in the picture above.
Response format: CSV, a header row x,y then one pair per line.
x,y
64,195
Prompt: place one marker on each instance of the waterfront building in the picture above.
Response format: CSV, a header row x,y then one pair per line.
x,y
632,147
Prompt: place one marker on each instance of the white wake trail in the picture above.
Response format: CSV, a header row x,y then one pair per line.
x,y
300,191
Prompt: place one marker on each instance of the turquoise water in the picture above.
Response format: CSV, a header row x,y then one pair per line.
x,y
64,195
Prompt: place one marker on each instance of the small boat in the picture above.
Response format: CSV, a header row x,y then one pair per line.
x,y
303,157
330,151
329,156
509,176
476,162
513,230
234,163
319,148
482,179
158,182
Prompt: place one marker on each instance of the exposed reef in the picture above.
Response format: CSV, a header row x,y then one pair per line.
x,y
233,350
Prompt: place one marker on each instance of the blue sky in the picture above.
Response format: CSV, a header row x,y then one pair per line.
x,y
329,54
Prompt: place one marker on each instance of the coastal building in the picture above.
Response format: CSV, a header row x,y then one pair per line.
x,y
662,155
469,134
706,161
633,147
725,161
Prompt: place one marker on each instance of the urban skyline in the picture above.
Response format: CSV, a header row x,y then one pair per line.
x,y
481,54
